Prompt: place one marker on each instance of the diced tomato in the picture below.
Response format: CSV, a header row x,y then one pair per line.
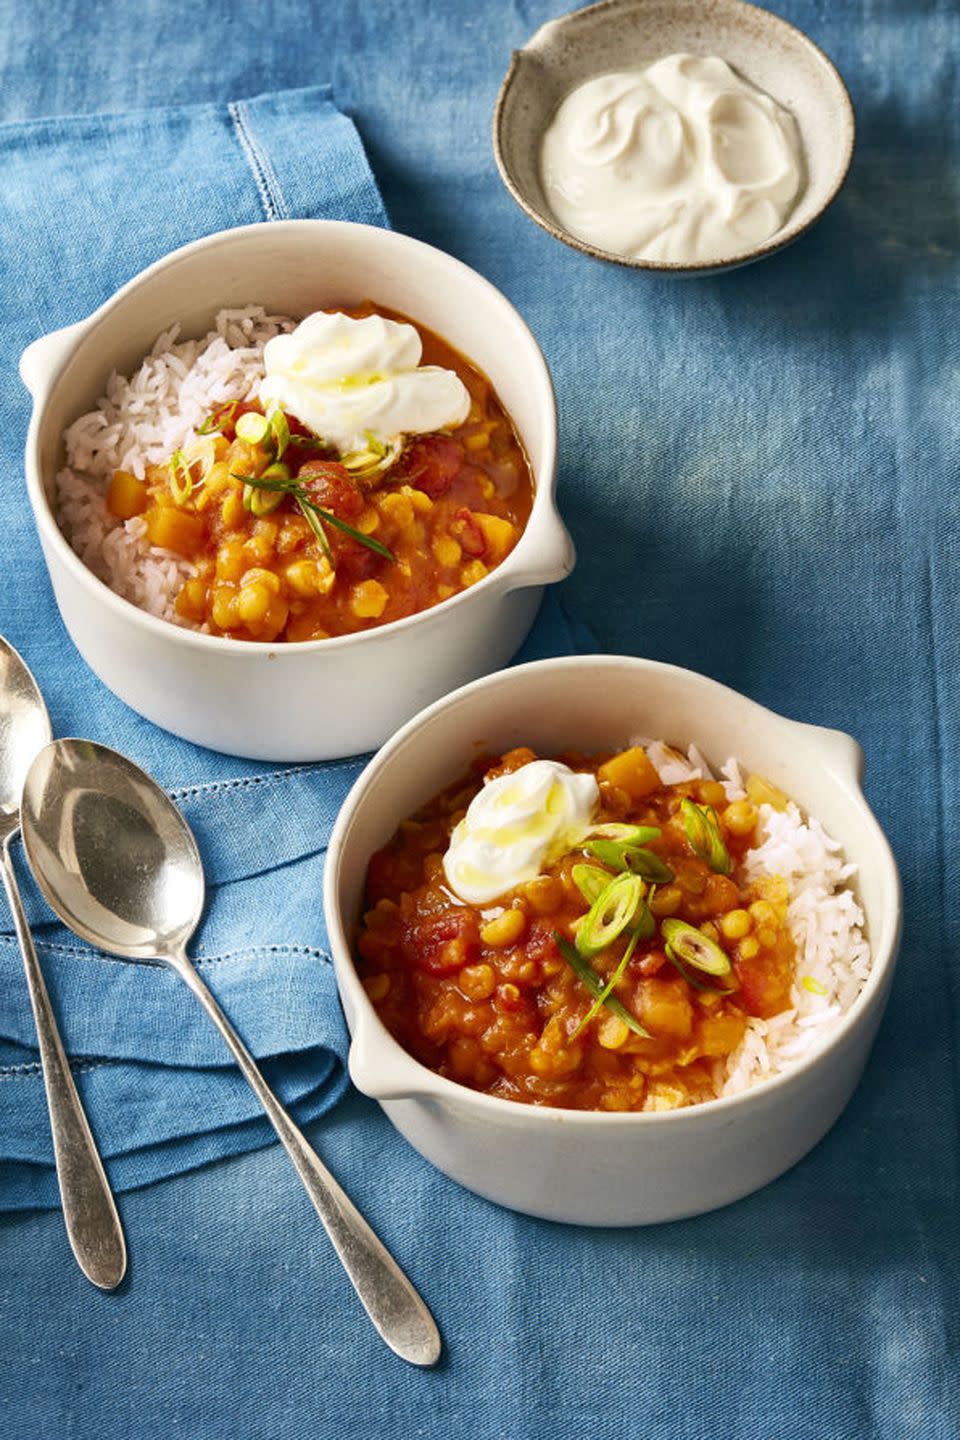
x,y
540,945
470,534
431,463
650,963
442,944
511,999
354,561
331,486
764,985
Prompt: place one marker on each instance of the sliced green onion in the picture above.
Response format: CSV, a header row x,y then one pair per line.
x,y
815,986
703,832
280,430
630,834
311,442
261,502
218,420
181,481
339,524
610,914
375,459
608,989
252,427
644,926
681,969
313,513
694,948
591,980
591,881
621,856
314,522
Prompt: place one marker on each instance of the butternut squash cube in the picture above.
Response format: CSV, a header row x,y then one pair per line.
x,y
665,1008
632,772
174,530
127,495
499,534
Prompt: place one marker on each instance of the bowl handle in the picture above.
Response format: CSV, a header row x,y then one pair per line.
x,y
380,1079
43,358
550,556
838,746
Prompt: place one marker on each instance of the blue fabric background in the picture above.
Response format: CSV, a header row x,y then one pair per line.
x,y
767,462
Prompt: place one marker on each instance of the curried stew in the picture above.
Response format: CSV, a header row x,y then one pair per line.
x,y
577,933
290,537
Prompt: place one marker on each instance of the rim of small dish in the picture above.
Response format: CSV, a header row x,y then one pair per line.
x,y
778,241
427,1084
541,513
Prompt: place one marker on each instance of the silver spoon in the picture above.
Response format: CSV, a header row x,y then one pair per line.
x,y
118,863
93,1226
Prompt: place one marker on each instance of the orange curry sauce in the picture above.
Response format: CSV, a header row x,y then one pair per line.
x,y
485,997
450,509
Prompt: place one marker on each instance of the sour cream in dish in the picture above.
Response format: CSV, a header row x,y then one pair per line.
x,y
683,162
516,825
349,379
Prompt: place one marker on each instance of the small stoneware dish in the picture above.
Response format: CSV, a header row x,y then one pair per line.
x,y
631,34
325,698
604,1168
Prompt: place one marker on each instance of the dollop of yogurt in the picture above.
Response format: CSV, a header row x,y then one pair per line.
x,y
349,379
684,161
515,826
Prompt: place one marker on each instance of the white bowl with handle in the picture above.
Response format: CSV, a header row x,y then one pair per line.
x,y
318,699
602,1168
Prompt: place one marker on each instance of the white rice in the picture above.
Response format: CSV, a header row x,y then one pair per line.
x,y
823,916
140,421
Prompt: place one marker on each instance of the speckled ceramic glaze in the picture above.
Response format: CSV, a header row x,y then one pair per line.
x,y
631,34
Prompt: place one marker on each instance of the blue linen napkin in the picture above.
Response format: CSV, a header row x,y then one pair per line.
x,y
86,203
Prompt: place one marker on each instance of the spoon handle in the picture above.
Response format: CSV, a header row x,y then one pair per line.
x,y
397,1311
93,1225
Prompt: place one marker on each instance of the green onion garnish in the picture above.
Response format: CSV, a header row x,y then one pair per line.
x,y
591,881
681,969
620,855
703,832
377,457
591,980
644,926
311,442
252,427
218,420
181,481
280,430
316,525
610,986
610,914
692,947
264,502
315,514
629,834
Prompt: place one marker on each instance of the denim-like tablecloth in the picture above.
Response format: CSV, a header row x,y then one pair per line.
x,y
760,472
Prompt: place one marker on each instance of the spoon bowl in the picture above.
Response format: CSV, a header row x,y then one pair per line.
x,y
111,852
117,862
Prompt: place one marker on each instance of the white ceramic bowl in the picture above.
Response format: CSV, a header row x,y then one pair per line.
x,y
325,698
631,34
610,1169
